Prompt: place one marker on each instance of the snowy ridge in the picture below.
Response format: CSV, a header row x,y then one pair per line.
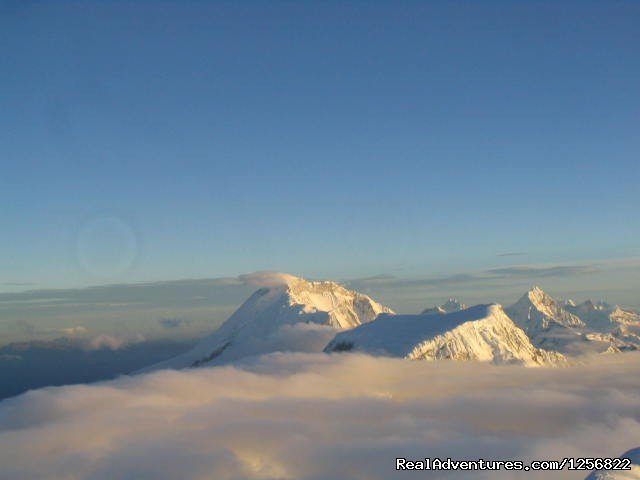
x,y
293,314
297,315
536,311
576,329
483,333
624,317
602,315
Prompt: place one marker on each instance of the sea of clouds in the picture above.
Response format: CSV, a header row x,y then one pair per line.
x,y
315,416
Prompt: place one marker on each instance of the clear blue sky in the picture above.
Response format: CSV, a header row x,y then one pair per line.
x,y
168,140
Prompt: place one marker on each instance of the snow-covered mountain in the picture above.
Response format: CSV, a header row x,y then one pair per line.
x,y
297,315
549,325
482,332
451,305
601,315
575,329
294,314
536,312
633,474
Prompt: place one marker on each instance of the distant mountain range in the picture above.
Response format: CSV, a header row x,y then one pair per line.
x,y
575,329
300,315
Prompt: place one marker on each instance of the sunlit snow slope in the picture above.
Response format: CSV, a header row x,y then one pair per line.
x,y
482,332
575,329
296,316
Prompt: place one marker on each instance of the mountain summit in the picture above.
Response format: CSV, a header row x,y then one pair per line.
x,y
536,311
575,329
482,332
601,315
294,315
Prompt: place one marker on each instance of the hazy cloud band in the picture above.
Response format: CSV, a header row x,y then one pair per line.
x,y
312,417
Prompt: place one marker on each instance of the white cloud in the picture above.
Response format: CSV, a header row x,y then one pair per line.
x,y
313,417
298,337
266,279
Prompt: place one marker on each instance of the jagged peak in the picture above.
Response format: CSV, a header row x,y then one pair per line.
x,y
327,295
537,311
300,284
323,295
298,290
590,306
537,297
280,281
451,305
537,293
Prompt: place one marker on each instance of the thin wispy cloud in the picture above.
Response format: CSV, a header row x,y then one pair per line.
x,y
126,293
524,271
551,271
266,279
391,281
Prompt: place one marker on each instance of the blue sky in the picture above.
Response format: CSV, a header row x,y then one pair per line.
x,y
168,140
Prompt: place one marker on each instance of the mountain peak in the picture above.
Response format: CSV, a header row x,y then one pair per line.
x,y
536,294
286,314
537,312
543,318
483,333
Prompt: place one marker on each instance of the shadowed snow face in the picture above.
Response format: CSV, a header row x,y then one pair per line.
x,y
302,416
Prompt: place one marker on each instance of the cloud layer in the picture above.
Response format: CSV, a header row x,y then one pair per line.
x,y
536,272
312,417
